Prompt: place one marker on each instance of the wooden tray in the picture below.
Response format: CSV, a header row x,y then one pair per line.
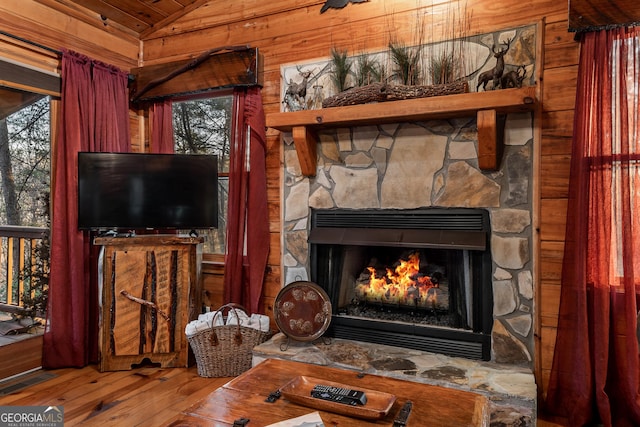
x,y
298,390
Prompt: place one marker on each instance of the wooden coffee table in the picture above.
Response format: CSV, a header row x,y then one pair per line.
x,y
244,397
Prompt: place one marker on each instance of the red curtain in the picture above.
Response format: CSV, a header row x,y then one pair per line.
x,y
247,215
595,376
94,117
161,127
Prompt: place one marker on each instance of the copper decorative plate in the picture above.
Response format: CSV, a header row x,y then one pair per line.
x,y
302,311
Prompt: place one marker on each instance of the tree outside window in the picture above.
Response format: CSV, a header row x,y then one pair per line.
x,y
24,164
24,195
203,126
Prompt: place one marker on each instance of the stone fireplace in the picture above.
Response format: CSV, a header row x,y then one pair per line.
x,y
371,172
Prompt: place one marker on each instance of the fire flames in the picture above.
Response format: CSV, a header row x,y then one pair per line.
x,y
404,285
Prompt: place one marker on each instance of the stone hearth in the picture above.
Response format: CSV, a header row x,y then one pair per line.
x,y
510,390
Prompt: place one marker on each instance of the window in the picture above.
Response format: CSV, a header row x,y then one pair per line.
x,y
25,143
24,158
625,149
203,126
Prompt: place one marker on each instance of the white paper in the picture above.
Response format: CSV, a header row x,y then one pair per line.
x,y
310,420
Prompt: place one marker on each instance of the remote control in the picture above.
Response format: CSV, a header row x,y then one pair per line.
x,y
339,395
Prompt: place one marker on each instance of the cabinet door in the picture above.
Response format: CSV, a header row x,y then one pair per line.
x,y
151,289
146,289
145,306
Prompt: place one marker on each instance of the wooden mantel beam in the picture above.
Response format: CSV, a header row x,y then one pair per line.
x,y
490,108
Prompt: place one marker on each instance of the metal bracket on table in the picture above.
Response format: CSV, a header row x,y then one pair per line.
x,y
273,396
403,415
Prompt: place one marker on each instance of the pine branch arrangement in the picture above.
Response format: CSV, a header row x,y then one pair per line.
x,y
406,62
340,67
368,70
442,68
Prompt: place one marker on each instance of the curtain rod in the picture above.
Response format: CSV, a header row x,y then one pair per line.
x,y
580,31
57,52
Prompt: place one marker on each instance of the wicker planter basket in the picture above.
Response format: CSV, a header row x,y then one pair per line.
x,y
225,351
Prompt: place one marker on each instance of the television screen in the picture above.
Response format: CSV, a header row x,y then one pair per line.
x,y
129,191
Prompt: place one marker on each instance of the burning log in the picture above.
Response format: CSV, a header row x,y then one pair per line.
x,y
404,285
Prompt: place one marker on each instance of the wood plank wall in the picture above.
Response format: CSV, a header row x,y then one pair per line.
x,y
559,79
287,31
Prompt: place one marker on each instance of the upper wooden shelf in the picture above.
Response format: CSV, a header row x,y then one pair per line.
x,y
489,107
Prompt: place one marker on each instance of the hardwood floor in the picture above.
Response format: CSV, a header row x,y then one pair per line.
x,y
142,397
149,397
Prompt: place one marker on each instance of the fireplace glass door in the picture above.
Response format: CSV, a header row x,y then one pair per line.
x,y
427,287
422,286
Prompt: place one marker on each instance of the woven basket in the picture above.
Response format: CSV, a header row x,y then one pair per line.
x,y
225,351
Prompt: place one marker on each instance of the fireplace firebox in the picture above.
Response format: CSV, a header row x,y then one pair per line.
x,y
417,279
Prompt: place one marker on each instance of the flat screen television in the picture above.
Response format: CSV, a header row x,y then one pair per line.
x,y
135,191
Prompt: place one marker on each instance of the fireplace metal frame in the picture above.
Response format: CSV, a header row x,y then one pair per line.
x,y
442,228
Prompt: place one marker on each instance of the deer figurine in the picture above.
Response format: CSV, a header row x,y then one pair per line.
x,y
494,74
513,78
296,93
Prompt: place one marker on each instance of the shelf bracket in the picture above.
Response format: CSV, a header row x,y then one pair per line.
x,y
490,139
306,144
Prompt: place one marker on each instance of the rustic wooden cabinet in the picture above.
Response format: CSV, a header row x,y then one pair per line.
x,y
151,288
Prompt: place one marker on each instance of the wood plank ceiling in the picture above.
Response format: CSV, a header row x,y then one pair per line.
x,y
143,17
137,17
591,15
